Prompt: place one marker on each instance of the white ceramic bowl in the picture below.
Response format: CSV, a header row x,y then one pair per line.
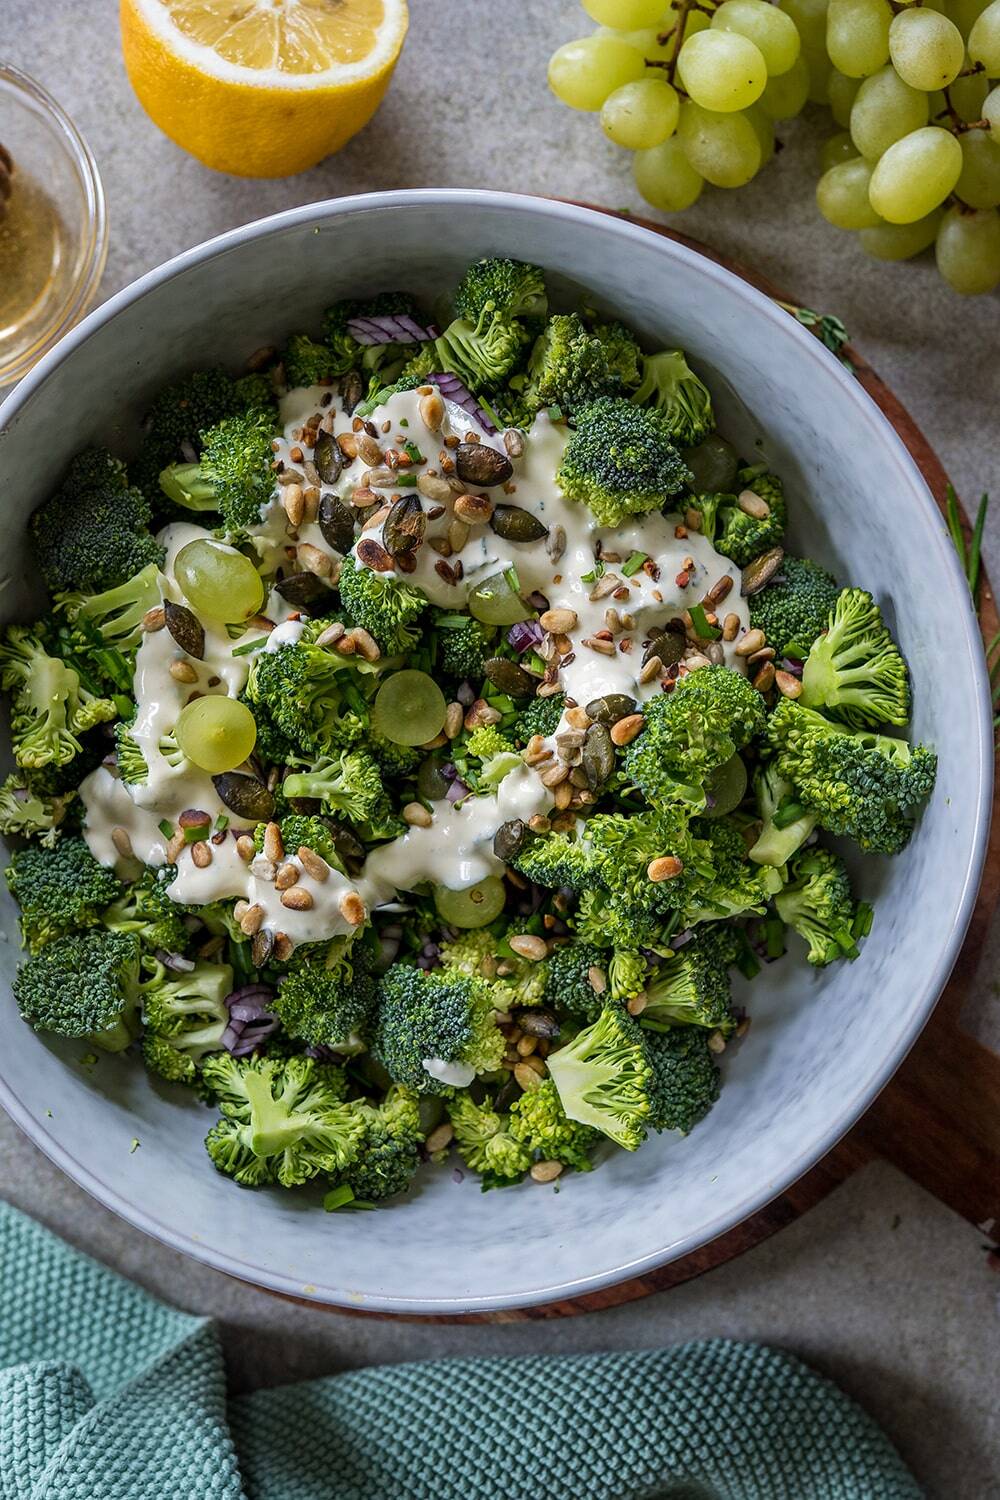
x,y
822,1043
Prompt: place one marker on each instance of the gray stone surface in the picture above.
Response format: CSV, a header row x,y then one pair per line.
x,y
880,1287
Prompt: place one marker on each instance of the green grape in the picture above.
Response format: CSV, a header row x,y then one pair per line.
x,y
721,70
785,96
476,906
723,148
965,12
915,174
810,22
641,115
763,127
218,581
968,250
984,39
884,111
713,463
647,41
967,96
842,196
666,179
991,110
857,36
979,184
496,600
820,73
216,733
583,73
900,241
624,15
771,31
409,708
432,783
843,91
926,49
694,21
726,787
838,148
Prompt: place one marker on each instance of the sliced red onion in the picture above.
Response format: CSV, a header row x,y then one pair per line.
x,y
247,1010
175,961
388,947
256,991
791,665
321,1053
457,790
525,635
387,330
452,389
449,771
457,1175
230,1038
21,794
681,939
466,694
188,453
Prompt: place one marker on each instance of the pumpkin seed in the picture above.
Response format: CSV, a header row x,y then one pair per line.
x,y
479,464
515,524
598,755
537,1022
510,678
244,795
668,645
612,707
336,522
302,589
328,458
761,571
262,947
509,838
352,389
404,525
185,628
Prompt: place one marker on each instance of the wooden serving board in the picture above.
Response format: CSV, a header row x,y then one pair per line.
x,y
938,1119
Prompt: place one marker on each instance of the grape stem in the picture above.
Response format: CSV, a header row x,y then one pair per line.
x,y
958,125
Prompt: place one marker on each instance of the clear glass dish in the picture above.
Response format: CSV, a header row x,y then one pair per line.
x,y
53,225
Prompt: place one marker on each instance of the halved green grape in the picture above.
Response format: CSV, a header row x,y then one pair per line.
x,y
723,148
857,36
726,787
838,148
624,15
770,30
884,110
218,581
991,110
842,195
640,115
496,600
216,733
409,708
915,175
984,39
968,250
785,96
842,91
665,177
979,184
926,49
714,464
476,906
900,241
583,73
721,70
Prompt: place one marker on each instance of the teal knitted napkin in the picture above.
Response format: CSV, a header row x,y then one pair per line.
x,y
108,1394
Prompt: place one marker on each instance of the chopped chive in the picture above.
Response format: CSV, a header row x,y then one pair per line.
x,y
596,572
788,813
555,413
863,918
512,579
196,833
774,937
338,1197
699,624
249,646
405,481
414,453
221,823
633,564
167,829
975,550
404,422
534,663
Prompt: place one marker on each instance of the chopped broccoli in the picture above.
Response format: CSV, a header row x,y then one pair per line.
x,y
146,910
539,1122
184,411
283,1121
486,742
496,286
858,783
393,760
59,889
734,884
464,645
29,813
854,669
93,534
83,985
443,1018
685,1082
309,696
710,715
733,531
114,618
348,784
388,1152
482,353
669,385
485,1141
603,1078
795,606
613,924
556,860
184,1019
308,363
471,952
329,1000
625,846
541,716
818,904
692,988
384,606
571,366
620,461
785,822
569,984
305,830
50,707
129,757
628,971
234,475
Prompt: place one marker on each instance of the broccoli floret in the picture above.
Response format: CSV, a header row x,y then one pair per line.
x,y
281,1121
50,707
603,1078
620,461
498,286
569,985
571,366
795,606
114,618
130,760
444,1018
309,696
734,884
621,351
539,1122
482,353
486,742
59,889
93,534
687,734
556,860
384,606
541,716
626,846
348,784
184,1018
234,475
28,813
83,985
733,531
485,1141
692,988
308,363
609,925
304,830
818,904
464,646
329,999
394,760
627,974
146,910
785,822
471,952
685,1081
670,386
854,670
858,783
388,1151
186,410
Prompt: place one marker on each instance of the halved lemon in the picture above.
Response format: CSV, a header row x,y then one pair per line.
x,y
261,88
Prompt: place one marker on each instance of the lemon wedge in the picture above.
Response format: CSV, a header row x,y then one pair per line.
x,y
261,88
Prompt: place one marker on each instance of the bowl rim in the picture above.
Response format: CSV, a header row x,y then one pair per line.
x,y
872,421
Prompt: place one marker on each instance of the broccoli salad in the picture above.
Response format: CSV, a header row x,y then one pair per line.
x,y
425,729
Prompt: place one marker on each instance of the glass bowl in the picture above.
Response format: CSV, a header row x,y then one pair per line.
x,y
53,226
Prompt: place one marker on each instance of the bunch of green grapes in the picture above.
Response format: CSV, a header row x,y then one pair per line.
x,y
693,88
917,162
